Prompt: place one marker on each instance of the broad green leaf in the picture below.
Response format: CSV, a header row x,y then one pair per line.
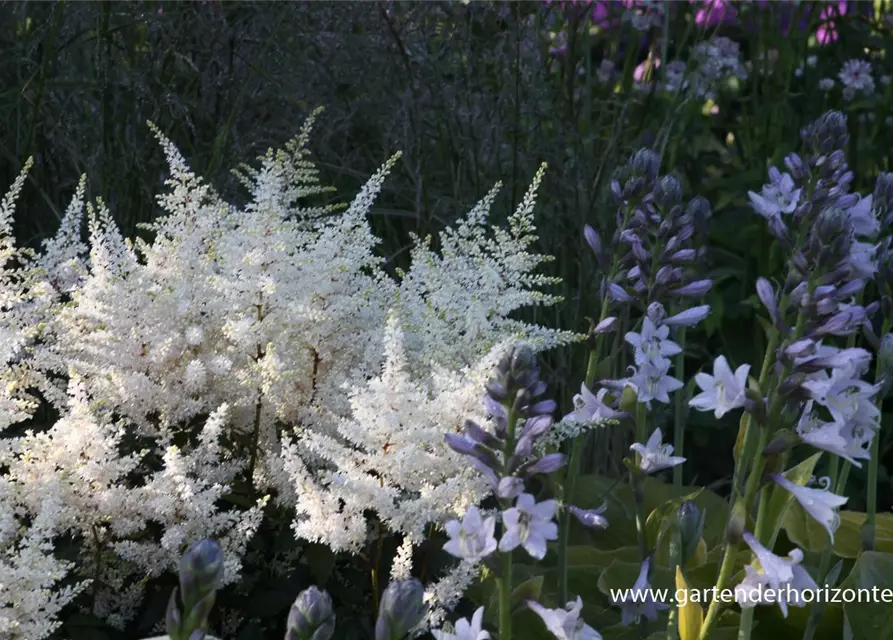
x,y
870,617
809,535
531,589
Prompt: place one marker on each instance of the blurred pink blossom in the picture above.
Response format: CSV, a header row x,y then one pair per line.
x,y
713,12
827,31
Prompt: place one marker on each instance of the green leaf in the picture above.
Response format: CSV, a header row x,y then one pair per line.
x,y
531,589
809,535
871,618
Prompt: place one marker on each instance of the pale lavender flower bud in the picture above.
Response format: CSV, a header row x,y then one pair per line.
x,y
549,463
826,306
882,198
683,255
510,488
767,296
311,617
402,608
591,518
667,192
696,289
801,349
689,317
639,251
780,231
827,134
542,408
700,212
608,325
201,572
485,470
664,275
796,167
656,312
536,427
842,323
496,390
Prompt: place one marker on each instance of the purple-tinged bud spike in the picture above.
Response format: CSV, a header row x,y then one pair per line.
x,y
850,289
826,306
402,608
780,231
618,293
460,444
510,488
591,518
842,323
538,389
689,317
696,289
549,463
639,252
484,470
495,390
311,616
607,325
496,411
523,449
664,275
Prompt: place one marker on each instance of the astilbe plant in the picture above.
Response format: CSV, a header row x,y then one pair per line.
x,y
253,353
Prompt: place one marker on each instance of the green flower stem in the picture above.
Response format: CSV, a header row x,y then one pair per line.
x,y
675,561
745,626
504,581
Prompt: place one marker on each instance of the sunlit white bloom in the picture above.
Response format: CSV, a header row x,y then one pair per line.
x,y
773,579
465,630
195,335
778,197
656,456
529,524
639,601
566,624
821,504
723,391
652,343
472,539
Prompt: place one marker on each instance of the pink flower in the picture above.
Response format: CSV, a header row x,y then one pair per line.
x,y
827,31
714,12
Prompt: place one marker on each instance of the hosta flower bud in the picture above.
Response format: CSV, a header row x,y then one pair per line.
x,y
885,362
882,198
510,488
698,208
311,616
667,192
783,441
690,522
549,463
201,570
645,163
737,523
827,134
402,609
696,289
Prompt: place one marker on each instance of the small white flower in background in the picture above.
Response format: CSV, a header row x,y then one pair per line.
x,y
652,382
529,524
723,391
885,79
605,71
652,343
776,575
855,76
826,84
472,539
811,61
655,455
639,601
194,335
847,440
821,504
565,624
465,630
777,197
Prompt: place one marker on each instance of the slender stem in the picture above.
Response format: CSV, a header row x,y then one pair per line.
x,y
504,581
745,626
675,561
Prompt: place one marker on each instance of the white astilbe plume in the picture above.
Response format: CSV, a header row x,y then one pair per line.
x,y
457,304
389,457
30,600
252,320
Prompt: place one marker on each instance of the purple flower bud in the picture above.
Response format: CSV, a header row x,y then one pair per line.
x,y
639,252
402,608
656,312
696,289
780,231
767,296
618,293
689,317
479,435
591,518
495,410
842,323
523,449
536,427
510,488
683,255
460,444
543,408
495,390
607,325
664,275
593,240
549,463
311,616
801,349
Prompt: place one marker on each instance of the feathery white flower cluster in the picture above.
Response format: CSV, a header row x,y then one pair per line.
x,y
252,320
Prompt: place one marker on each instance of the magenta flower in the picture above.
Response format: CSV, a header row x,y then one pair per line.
x,y
827,31
713,13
